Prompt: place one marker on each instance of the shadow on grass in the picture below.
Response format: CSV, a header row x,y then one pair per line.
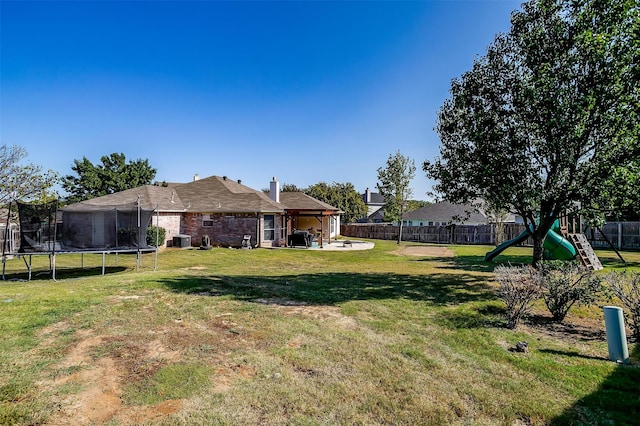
x,y
617,400
64,273
573,354
482,316
334,288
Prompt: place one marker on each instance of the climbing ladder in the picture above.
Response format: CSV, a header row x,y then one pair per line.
x,y
585,251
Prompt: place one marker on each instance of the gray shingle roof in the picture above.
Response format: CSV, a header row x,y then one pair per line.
x,y
150,196
444,212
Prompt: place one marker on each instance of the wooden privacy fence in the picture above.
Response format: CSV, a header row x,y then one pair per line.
x,y
623,235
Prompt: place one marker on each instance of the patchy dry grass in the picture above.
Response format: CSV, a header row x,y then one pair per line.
x,y
409,335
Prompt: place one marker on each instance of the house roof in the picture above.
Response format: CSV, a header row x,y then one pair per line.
x,y
375,198
444,212
219,194
302,201
150,196
213,194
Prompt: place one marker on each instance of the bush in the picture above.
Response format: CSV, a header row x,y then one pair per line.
x,y
151,235
626,287
565,284
519,289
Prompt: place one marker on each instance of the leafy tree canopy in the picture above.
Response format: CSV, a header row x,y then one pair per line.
x,y
394,184
22,181
341,195
549,117
113,175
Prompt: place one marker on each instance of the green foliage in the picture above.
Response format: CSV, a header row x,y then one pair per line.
x,y
519,290
394,182
564,284
156,231
113,175
416,204
289,187
341,195
626,287
20,181
539,122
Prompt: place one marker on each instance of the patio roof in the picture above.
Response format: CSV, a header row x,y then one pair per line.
x,y
301,203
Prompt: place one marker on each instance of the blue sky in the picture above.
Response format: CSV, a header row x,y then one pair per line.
x,y
307,91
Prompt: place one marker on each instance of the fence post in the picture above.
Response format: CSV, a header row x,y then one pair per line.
x,y
619,235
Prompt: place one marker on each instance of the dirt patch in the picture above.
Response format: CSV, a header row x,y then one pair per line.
x,y
99,366
320,312
426,251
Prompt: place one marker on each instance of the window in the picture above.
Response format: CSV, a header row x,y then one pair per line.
x,y
207,220
269,227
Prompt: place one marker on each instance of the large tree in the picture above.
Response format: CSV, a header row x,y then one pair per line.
x,y
540,122
341,195
394,184
113,175
21,180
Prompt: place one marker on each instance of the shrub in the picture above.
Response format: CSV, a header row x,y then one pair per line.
x,y
151,235
519,289
565,284
626,287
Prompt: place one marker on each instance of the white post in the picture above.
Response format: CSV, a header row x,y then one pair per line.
x,y
616,334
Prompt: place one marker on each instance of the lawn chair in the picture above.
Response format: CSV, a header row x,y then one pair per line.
x,y
246,242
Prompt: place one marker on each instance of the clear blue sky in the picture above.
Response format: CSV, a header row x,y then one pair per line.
x,y
306,91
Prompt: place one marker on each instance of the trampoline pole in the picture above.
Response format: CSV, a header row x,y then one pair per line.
x,y
5,241
155,257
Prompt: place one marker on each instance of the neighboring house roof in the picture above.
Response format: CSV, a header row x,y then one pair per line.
x,y
372,198
302,201
444,212
372,210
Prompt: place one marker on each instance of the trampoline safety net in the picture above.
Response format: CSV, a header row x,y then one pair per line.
x,y
82,226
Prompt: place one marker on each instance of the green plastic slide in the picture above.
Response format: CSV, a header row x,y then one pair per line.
x,y
555,245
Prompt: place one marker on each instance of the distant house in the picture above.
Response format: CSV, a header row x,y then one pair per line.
x,y
443,213
226,211
375,207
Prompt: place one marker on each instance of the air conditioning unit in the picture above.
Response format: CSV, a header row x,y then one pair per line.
x,y
182,241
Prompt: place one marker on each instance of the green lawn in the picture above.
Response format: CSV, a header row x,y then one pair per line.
x,y
298,337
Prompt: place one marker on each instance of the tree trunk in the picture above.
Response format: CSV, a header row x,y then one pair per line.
x,y
400,228
538,249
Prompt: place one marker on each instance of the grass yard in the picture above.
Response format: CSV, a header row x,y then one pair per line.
x,y
401,335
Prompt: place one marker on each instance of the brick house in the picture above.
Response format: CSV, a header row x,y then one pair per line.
x,y
226,211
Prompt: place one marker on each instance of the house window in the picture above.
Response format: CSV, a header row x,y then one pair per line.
x,y
269,227
207,220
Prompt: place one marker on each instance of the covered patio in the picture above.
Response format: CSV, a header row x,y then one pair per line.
x,y
310,219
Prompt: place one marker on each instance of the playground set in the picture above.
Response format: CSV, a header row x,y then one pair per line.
x,y
559,243
80,228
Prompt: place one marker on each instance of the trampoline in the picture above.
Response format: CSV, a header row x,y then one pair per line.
x,y
81,228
